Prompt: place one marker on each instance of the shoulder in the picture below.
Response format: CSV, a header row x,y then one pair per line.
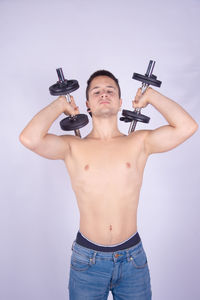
x,y
139,134
71,139
139,137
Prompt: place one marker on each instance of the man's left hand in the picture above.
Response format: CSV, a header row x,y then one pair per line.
x,y
141,100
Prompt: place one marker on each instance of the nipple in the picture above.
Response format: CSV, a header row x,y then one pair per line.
x,y
86,167
110,228
128,164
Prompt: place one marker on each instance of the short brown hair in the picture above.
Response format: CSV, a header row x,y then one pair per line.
x,y
102,73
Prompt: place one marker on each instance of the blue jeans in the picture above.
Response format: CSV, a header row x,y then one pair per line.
x,y
94,273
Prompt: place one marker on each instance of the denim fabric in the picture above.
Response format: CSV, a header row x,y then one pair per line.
x,y
93,274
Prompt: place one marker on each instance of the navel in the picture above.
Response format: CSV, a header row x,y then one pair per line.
x,y
128,164
110,227
86,167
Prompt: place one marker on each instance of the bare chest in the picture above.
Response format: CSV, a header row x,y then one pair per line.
x,y
105,165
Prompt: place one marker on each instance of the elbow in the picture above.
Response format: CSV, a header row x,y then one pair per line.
x,y
188,130
26,142
192,129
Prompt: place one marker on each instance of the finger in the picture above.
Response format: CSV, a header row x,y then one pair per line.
x,y
139,92
137,98
135,104
138,95
76,109
71,98
72,101
62,97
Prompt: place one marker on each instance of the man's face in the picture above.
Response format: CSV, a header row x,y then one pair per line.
x,y
103,97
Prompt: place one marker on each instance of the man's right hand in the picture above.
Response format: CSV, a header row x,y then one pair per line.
x,y
70,108
35,135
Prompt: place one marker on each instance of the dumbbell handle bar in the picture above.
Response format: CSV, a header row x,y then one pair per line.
x,y
62,79
143,88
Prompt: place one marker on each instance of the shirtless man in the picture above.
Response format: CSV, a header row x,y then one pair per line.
x,y
106,170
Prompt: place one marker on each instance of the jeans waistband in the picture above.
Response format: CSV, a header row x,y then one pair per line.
x,y
84,242
93,255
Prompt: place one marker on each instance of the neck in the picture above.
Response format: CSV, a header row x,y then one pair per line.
x,y
105,128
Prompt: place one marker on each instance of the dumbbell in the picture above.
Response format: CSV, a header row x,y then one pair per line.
x,y
147,79
65,87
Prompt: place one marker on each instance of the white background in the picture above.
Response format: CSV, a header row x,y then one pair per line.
x,y
39,215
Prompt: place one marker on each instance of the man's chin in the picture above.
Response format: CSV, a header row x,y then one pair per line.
x,y
105,113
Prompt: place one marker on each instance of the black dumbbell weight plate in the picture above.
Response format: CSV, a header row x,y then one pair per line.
x,y
125,119
132,115
148,80
75,122
64,87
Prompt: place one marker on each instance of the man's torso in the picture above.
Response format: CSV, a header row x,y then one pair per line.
x,y
106,177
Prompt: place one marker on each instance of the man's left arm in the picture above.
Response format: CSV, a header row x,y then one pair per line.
x,y
181,124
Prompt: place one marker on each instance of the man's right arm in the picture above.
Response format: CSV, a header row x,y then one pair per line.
x,y
35,135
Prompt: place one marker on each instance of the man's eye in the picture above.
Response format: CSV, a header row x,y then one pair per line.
x,y
96,93
110,92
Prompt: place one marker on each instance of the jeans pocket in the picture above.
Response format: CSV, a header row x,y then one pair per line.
x,y
139,259
80,262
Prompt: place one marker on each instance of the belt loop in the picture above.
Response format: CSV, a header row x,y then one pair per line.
x,y
127,255
72,248
93,259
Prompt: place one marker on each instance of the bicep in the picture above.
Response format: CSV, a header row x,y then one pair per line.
x,y
165,138
52,146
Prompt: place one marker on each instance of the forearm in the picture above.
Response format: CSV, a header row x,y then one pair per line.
x,y
174,114
38,127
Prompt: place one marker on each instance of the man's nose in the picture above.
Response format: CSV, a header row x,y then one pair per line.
x,y
103,94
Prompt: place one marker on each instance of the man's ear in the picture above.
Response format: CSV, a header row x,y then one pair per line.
x,y
87,103
88,108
